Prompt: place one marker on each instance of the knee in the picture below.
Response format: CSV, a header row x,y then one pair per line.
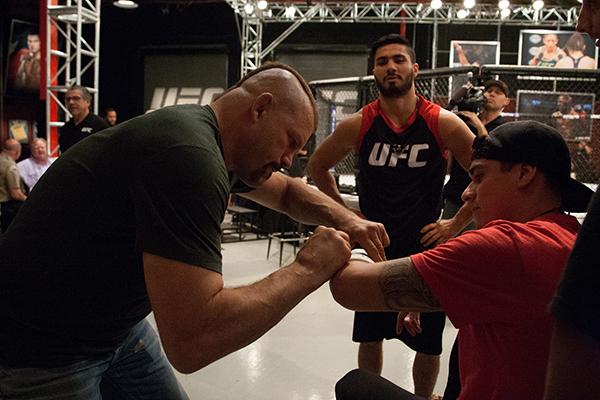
x,y
346,387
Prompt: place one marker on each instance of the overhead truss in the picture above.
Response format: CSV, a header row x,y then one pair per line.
x,y
72,51
296,13
373,12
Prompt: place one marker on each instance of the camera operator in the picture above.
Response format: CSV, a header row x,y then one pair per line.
x,y
496,94
481,112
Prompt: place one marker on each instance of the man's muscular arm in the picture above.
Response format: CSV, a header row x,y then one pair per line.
x,y
391,285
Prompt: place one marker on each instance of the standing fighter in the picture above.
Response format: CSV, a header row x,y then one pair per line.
x,y
400,140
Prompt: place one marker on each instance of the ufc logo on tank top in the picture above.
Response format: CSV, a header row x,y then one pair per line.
x,y
383,154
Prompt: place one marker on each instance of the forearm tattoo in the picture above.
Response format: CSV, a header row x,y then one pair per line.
x,y
404,289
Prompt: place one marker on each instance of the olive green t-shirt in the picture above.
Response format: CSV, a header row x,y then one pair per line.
x,y
71,274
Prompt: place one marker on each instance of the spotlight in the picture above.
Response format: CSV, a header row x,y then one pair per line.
x,y
436,4
290,12
468,4
505,13
249,9
503,4
538,5
262,5
129,4
462,13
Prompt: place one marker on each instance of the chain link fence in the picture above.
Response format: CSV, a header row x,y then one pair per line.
x,y
564,99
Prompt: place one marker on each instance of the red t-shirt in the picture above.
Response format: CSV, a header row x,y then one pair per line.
x,y
495,284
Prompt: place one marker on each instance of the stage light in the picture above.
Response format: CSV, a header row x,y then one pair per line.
x,y
462,13
129,4
505,13
262,4
290,12
436,4
468,4
503,4
249,9
538,5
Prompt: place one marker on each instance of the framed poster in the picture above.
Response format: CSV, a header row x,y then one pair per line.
x,y
23,60
464,53
557,49
569,113
18,129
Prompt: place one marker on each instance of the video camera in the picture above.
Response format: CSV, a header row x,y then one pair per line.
x,y
468,98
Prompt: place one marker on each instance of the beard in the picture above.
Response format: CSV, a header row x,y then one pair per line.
x,y
395,91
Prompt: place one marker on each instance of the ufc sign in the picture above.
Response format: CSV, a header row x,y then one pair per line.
x,y
384,154
163,97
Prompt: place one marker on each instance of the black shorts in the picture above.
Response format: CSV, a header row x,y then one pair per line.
x,y
376,326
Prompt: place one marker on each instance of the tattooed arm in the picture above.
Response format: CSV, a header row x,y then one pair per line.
x,y
390,285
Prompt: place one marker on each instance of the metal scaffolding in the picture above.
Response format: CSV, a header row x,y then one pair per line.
x,y
72,54
296,13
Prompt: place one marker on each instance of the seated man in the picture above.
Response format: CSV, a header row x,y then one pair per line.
x,y
494,283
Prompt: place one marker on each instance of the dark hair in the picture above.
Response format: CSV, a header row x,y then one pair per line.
x,y
392,38
85,93
109,109
576,42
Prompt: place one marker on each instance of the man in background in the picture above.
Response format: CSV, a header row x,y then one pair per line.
x,y
11,193
110,115
574,364
32,168
82,123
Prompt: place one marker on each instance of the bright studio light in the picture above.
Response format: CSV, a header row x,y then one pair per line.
x,y
290,12
505,13
125,4
503,4
436,4
262,5
538,4
249,9
468,4
462,13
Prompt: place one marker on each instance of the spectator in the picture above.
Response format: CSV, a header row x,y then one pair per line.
x,y
32,168
82,123
574,364
11,193
110,115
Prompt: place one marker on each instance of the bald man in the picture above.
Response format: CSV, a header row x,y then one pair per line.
x,y
135,227
11,194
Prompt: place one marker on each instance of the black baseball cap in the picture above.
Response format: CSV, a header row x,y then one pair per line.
x,y
498,83
537,144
